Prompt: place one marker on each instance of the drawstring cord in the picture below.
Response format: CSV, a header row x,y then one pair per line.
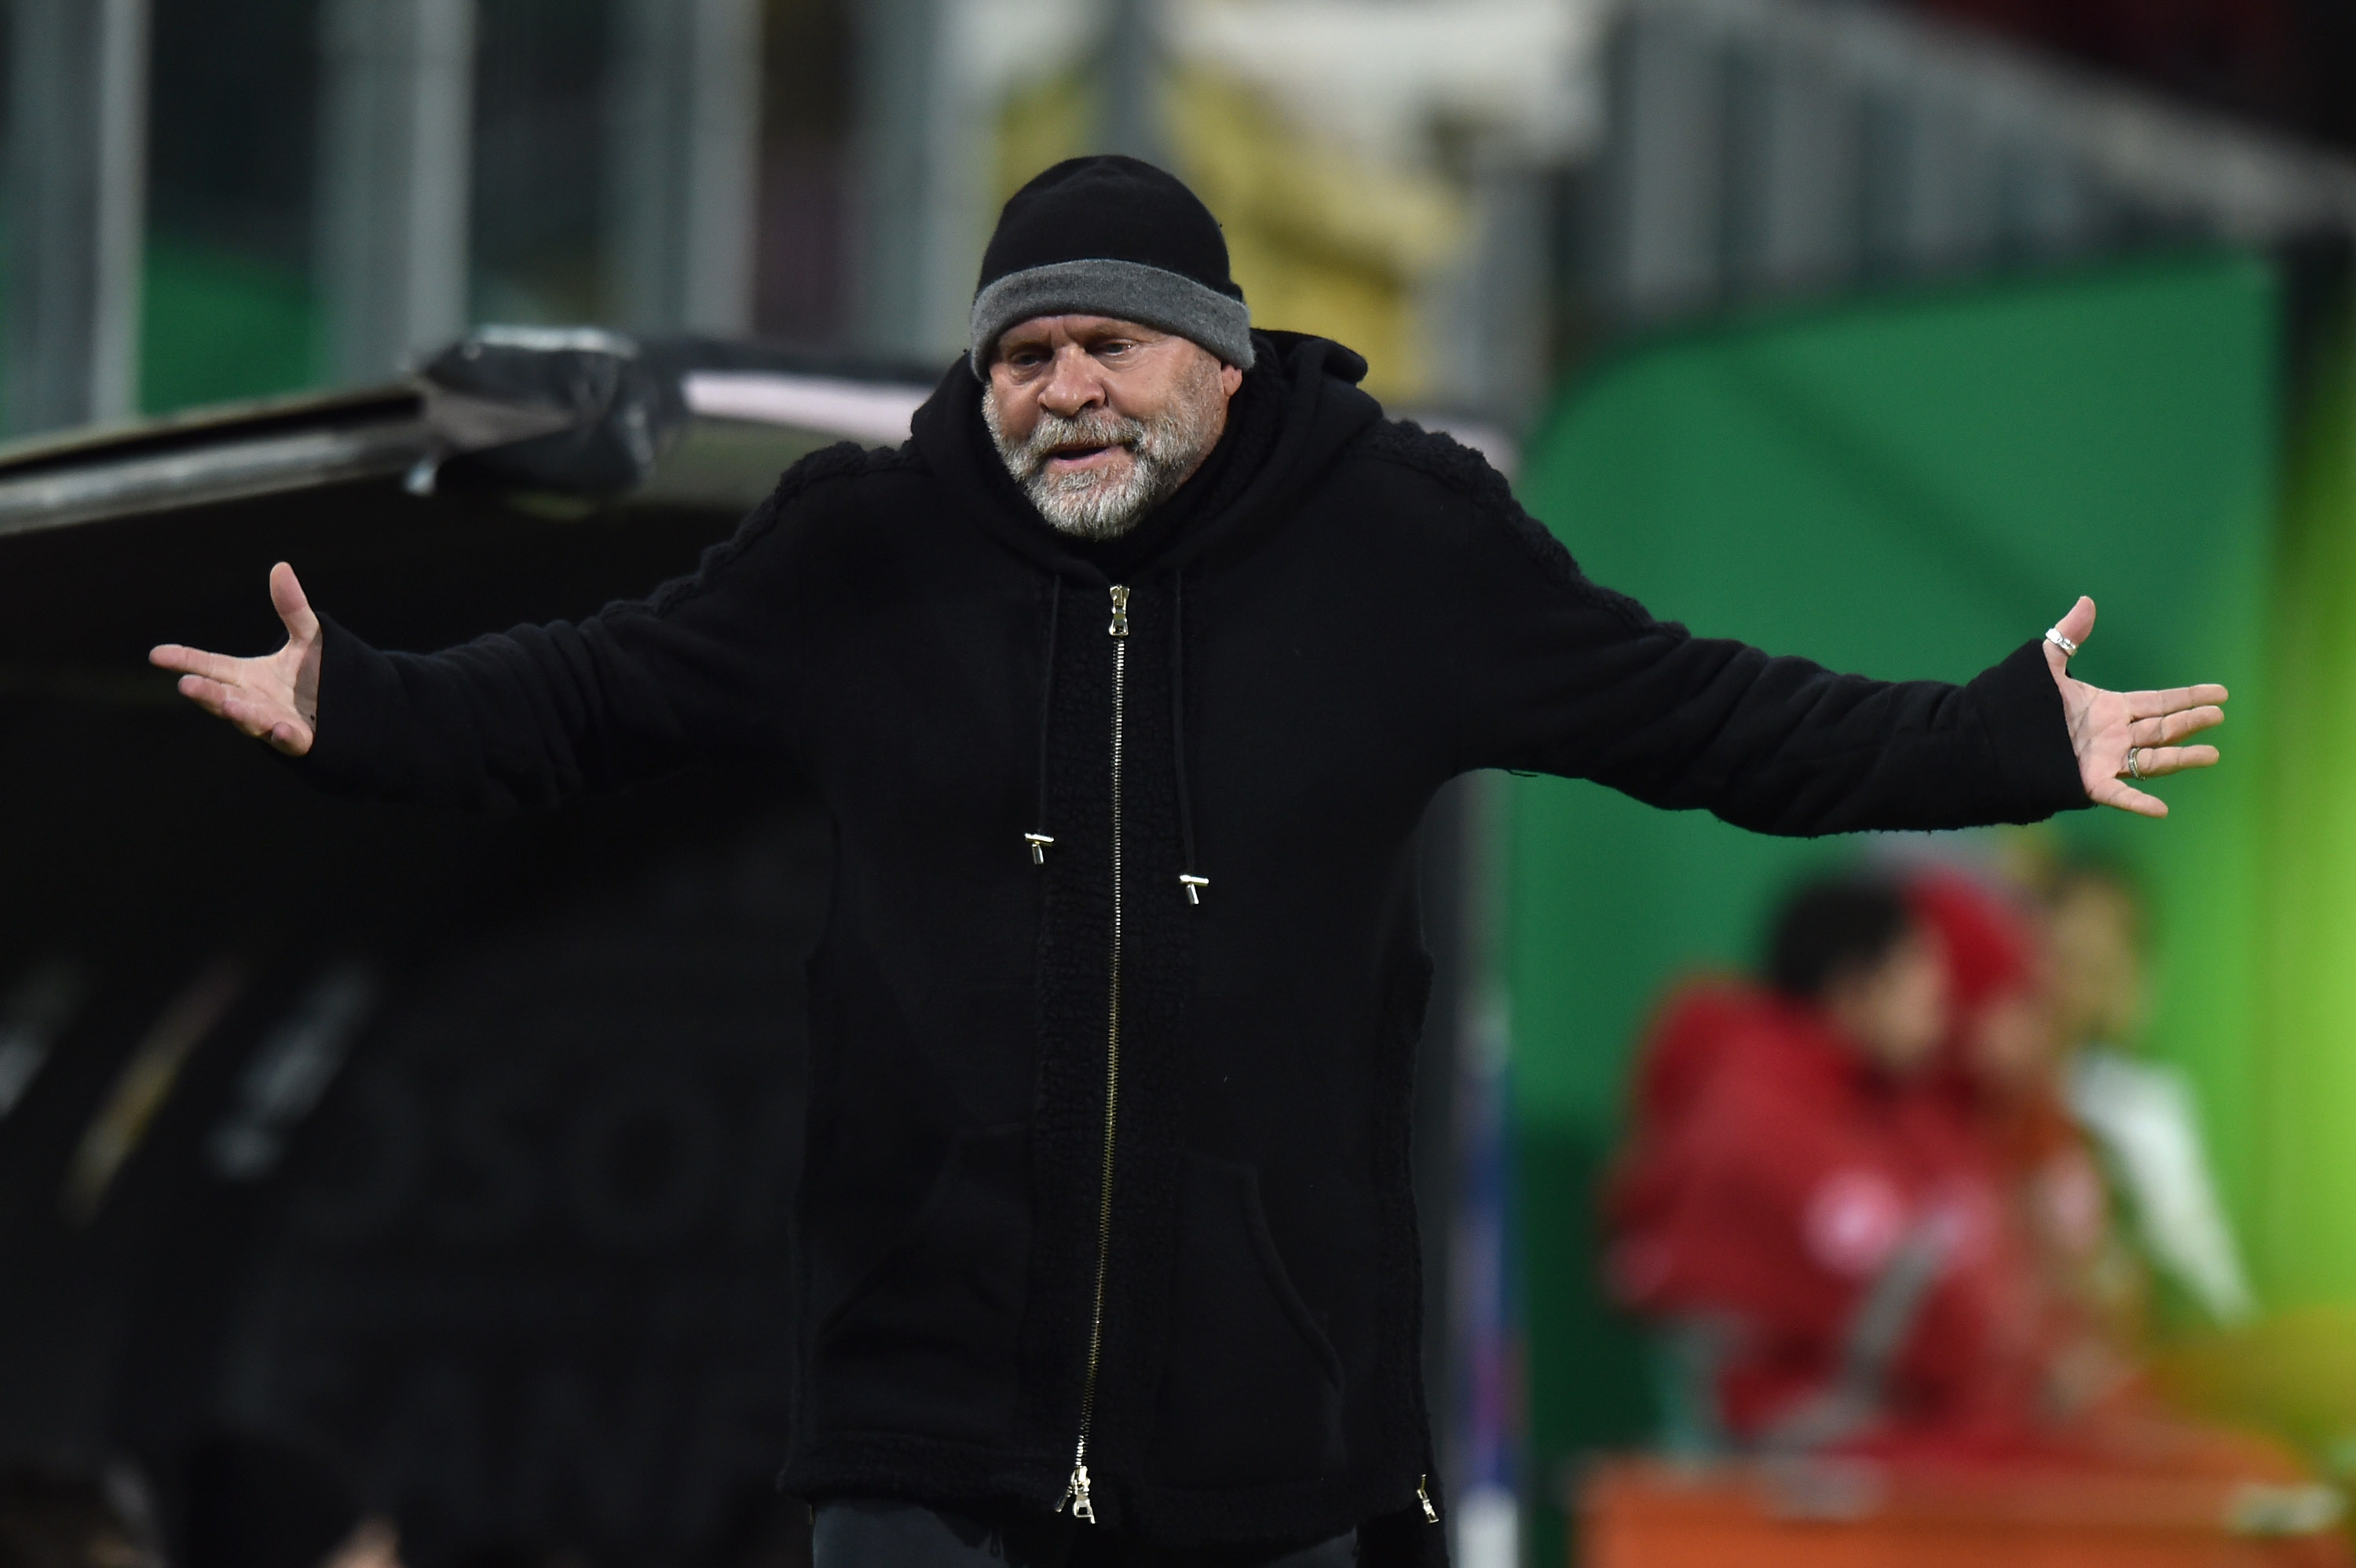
x,y
1039,839
1187,879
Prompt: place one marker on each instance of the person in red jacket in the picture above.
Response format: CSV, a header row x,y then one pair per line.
x,y
1992,1098
1997,1074
1819,1244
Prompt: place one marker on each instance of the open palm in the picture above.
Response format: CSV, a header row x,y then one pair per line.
x,y
274,697
2123,735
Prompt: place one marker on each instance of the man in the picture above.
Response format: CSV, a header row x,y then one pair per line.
x,y
1825,1254
1127,681
2142,1114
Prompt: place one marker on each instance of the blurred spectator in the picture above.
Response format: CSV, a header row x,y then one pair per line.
x,y
1857,1206
258,1502
57,1518
2021,992
1998,1077
2141,1112
1809,1227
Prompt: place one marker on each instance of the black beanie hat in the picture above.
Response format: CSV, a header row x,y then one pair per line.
x,y
254,1502
1111,236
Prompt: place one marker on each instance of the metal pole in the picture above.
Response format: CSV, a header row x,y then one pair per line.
x,y
1663,178
78,180
686,162
923,164
1491,318
397,145
1130,118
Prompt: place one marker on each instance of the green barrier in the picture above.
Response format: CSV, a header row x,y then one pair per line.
x,y
1910,487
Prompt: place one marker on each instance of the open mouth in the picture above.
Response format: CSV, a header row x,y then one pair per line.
x,y
1081,456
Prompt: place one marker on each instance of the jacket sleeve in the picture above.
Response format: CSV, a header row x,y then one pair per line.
x,y
1563,676
696,671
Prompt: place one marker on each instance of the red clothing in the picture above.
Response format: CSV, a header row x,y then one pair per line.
x,y
1775,1175
2057,1202
1991,957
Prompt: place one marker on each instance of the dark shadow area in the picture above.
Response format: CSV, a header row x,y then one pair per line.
x,y
463,1149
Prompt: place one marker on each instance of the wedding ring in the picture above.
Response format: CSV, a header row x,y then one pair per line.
x,y
2133,771
2053,634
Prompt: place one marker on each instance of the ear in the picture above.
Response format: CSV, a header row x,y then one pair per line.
x,y
1230,380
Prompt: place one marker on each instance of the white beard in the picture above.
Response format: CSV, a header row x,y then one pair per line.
x,y
1105,503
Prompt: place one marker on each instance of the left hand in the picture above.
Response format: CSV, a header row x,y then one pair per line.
x,y
2106,726
273,697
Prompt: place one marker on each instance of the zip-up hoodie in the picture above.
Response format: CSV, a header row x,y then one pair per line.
x,y
1107,1203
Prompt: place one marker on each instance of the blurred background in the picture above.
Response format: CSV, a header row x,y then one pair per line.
x,y
1871,331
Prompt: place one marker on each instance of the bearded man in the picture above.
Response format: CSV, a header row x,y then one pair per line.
x,y
1125,682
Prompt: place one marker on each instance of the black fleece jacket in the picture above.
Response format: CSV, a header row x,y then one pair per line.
x,y
1095,1150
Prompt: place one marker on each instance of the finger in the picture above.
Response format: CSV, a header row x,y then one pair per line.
x,y
293,739
194,661
2079,624
226,702
287,598
2167,732
2154,704
2157,761
255,719
208,695
2125,797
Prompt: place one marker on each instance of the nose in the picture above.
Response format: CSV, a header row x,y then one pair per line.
x,y
1073,385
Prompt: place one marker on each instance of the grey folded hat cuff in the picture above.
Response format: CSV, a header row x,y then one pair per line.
x,y
1128,291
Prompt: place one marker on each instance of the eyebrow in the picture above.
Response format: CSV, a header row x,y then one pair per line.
x,y
1144,336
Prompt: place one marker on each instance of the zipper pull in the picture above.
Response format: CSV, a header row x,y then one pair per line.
x,y
1076,1490
1193,886
1119,627
1039,843
1423,1496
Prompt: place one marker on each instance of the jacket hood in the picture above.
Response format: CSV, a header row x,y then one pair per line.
x,y
1305,387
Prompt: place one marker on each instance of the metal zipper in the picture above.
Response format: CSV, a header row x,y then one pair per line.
x,y
1076,1490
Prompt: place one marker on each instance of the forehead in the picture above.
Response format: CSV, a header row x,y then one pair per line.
x,y
1076,328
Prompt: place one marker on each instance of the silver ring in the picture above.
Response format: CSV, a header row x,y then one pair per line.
x,y
2133,771
2068,649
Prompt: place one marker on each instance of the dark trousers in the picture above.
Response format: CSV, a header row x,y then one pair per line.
x,y
874,1533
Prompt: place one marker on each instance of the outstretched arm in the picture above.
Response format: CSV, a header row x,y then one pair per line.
x,y
1566,678
534,715
274,697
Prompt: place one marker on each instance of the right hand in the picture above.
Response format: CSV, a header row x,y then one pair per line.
x,y
274,697
2111,729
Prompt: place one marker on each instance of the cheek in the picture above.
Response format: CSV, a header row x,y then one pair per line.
x,y
1130,401
1919,1000
1017,409
2010,1042
1154,387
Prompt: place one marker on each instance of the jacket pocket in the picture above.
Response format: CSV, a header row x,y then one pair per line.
x,y
925,1341
1252,1389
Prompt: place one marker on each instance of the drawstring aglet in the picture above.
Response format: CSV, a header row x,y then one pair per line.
x,y
1038,842
1193,886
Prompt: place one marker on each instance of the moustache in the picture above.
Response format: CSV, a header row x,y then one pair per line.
x,y
1055,431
